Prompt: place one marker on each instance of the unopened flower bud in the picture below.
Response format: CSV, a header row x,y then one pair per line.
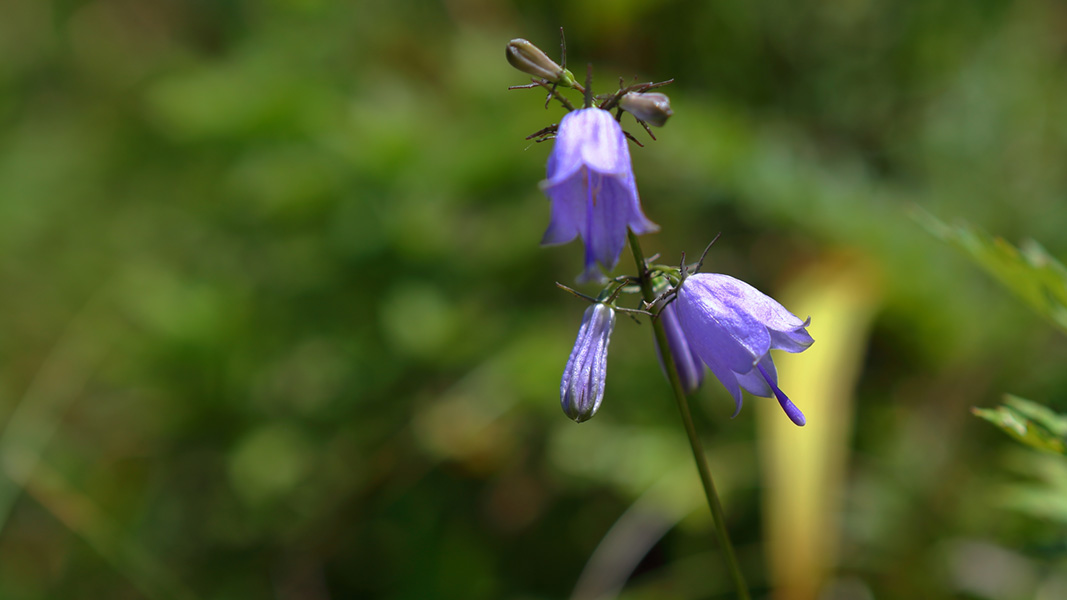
x,y
652,108
582,387
529,59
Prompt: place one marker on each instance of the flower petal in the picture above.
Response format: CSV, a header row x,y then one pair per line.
x,y
590,137
728,379
606,234
718,330
568,209
754,381
603,146
787,331
796,340
687,363
615,207
638,222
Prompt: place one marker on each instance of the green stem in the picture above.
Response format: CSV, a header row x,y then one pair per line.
x,y
554,93
717,513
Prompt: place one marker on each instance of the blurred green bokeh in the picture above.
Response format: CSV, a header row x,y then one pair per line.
x,y
274,321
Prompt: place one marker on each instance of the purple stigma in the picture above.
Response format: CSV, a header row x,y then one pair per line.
x,y
790,409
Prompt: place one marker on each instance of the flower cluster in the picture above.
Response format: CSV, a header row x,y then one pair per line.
x,y
708,319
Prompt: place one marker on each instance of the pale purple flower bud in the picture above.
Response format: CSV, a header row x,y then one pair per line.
x,y
591,186
733,327
653,108
582,387
529,59
686,361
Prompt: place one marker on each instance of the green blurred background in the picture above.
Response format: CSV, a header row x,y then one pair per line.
x,y
274,321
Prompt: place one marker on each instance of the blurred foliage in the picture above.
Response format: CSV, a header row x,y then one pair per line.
x,y
1028,422
275,322
1030,273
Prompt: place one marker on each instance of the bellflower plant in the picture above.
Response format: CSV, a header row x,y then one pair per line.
x,y
582,388
703,319
591,186
733,327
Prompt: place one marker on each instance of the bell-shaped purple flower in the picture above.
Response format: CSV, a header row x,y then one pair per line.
x,y
582,387
686,361
733,327
591,186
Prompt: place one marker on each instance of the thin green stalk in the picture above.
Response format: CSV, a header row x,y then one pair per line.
x,y
717,513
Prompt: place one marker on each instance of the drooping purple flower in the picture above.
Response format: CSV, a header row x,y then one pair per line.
x,y
733,327
591,186
582,388
686,361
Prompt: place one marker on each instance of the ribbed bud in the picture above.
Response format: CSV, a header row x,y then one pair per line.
x,y
582,387
652,108
529,59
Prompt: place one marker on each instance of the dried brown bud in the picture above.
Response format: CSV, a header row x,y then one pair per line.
x,y
652,108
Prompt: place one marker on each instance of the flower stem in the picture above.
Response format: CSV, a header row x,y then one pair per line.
x,y
717,513
554,93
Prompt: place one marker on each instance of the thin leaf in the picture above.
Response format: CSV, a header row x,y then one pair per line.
x,y
1029,271
1046,417
1028,422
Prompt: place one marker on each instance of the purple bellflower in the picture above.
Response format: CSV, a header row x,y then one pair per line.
x,y
686,361
733,327
582,388
591,186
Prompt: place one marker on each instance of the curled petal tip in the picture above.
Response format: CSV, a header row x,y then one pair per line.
x,y
738,410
